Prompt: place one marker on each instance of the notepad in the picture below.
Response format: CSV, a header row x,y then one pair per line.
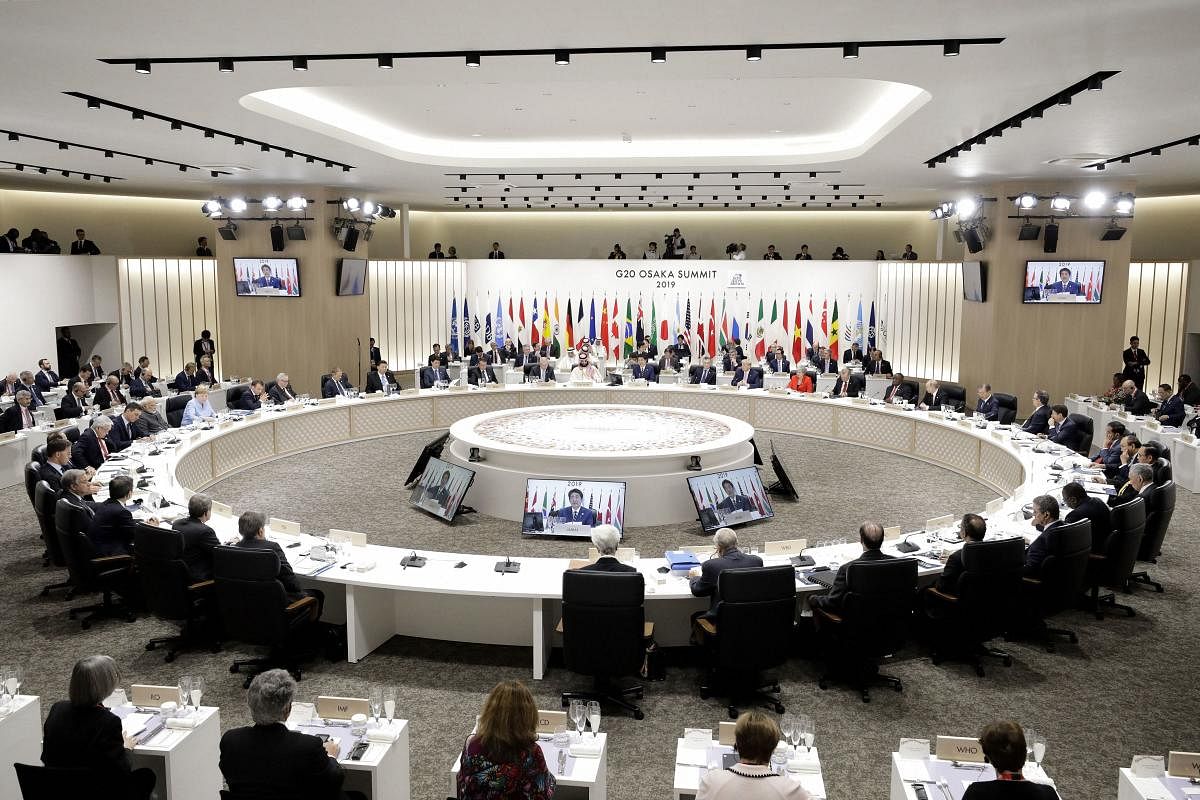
x,y
913,770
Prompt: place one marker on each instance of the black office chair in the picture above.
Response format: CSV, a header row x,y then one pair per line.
x,y
175,407
268,386
915,387
44,501
1163,450
604,632
171,594
1008,407
812,376
233,394
61,413
1113,568
429,377
1162,471
254,609
752,633
325,376
981,606
72,433
109,575
55,783
38,454
1059,581
1160,509
1084,432
33,474
872,624
956,396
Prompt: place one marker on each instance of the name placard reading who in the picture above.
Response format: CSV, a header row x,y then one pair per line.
x,y
959,748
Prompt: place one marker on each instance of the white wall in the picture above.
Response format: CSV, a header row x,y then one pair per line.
x,y
44,292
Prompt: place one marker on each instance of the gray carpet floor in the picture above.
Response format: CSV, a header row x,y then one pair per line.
x,y
1129,686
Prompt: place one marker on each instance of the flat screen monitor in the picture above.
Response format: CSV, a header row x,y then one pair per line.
x,y
725,499
352,277
267,277
556,507
974,276
441,489
1063,281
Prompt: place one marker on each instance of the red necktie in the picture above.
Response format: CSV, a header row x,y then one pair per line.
x,y
27,418
103,448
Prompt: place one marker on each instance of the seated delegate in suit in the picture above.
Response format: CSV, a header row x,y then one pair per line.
x,y
732,501
502,758
1137,402
1005,748
645,371
682,348
1109,455
111,529
282,391
110,394
78,489
58,461
988,406
205,373
124,428
1093,509
18,416
186,381
854,353
748,376
704,372
899,391
150,422
801,382
198,408
575,511
877,365
46,378
1140,484
252,525
606,538
670,360
1045,519
1170,407
482,374
824,363
755,736
433,375
1064,430
972,529
268,761
870,536
252,398
381,380
934,397
142,384
199,540
80,733
1039,421
510,352
704,577
541,373
73,401
338,385
777,361
1189,391
847,385
91,448
438,356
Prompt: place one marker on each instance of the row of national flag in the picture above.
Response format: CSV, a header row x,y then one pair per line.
x,y
706,323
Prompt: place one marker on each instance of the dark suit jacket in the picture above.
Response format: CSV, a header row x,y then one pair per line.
x,y
198,349
331,387
205,376
281,395
535,374
852,391
375,355
44,382
587,516
112,529
1009,790
246,401
1064,433
1126,493
198,543
837,593
121,435
1109,457
778,365
374,384
988,409
754,379
37,398
1138,403
70,404
1135,366
1039,549
706,584
903,391
185,382
1038,421
86,450
431,375
149,424
932,402
609,564
649,372
139,388
948,580
442,358
85,248
106,399
1094,510
285,575
475,373
700,376
85,504
12,418
850,355
84,736
1171,408
51,475
270,762
510,354
825,366
1191,395
739,502
880,367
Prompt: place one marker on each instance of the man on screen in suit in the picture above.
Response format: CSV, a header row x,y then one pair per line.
x,y
199,540
748,376
337,385
266,280
1093,509
704,372
1064,284
1136,361
1137,402
899,391
825,363
987,406
282,391
1038,422
847,385
1064,430
91,448
542,372
18,416
644,371
46,378
481,375
1170,407
934,397
575,512
870,536
441,492
381,380
732,501
727,556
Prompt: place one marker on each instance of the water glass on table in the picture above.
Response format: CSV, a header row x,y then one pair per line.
x,y
593,713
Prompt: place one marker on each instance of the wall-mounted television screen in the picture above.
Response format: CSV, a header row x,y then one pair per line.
x,y
441,489
974,275
1063,281
724,499
352,277
267,277
555,507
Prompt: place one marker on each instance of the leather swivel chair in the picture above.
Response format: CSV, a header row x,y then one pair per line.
x,y
872,623
233,394
1007,408
1162,448
325,376
1084,432
72,433
604,630
33,474
170,592
429,377
980,607
54,783
1060,580
1113,568
44,501
109,575
915,390
752,633
1162,471
175,407
254,609
1160,509
38,454
956,397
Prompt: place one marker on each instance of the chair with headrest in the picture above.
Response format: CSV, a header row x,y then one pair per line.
x,y
1060,579
72,433
1084,432
604,633
170,592
1113,568
33,474
428,377
1007,407
175,407
956,396
38,454
44,501
54,783
1160,508
109,575
1163,450
233,394
1162,471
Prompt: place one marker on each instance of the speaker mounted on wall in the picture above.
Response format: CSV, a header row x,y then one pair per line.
x,y
351,240
278,239
1050,239
973,239
1029,232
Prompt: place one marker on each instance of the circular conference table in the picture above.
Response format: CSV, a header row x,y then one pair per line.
x,y
460,597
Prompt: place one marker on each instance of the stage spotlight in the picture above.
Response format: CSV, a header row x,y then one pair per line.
x,y
387,212
300,64
1027,200
562,58
1029,232
754,54
385,62
1060,203
1094,200
947,207
658,55
297,203
272,203
950,47
237,205
472,59
966,207
212,207
850,51
350,204
1124,203
142,66
295,232
369,207
225,65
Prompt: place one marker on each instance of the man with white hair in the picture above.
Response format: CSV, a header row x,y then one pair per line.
x,y
1140,484
282,392
91,448
606,538
19,415
150,422
1137,402
704,577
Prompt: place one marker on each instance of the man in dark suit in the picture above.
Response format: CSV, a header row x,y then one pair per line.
x,y
1189,391
185,380
606,538
10,384
68,352
1136,361
972,529
438,357
83,246
28,384
124,427
112,528
510,352
988,406
432,375
46,378
337,385
439,492
381,380
543,372
1084,506
877,364
1045,519
482,374
824,363
91,448
704,372
777,361
199,540
1065,431
267,760
252,525
73,401
495,252
669,361
934,396
854,353
576,512
250,398
142,384
202,248
1170,407
205,372
266,280
110,394
847,385
899,391
11,242
436,252
732,501
18,416
78,490
1140,484
748,376
282,391
1109,455
870,536
681,348
704,577
1038,423
645,371
58,461
373,352
1064,284
1136,401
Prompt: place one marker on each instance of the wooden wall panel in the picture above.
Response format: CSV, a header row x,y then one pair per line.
x,y
410,307
920,310
165,303
1156,312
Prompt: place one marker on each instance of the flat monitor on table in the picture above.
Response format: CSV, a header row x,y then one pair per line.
x,y
441,489
725,499
558,507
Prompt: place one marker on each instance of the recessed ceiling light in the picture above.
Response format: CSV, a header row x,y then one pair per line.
x,y
225,65
300,64
754,54
562,58
472,59
658,56
385,62
850,51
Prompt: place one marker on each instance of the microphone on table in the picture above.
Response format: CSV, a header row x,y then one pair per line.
x,y
802,560
906,546
507,565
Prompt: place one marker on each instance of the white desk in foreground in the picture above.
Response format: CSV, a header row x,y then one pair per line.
x,y
582,778
688,772
20,741
957,775
1166,787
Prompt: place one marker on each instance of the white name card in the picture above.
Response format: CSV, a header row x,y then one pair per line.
x,y
1187,437
959,748
623,554
339,537
698,737
778,390
998,435
147,696
700,551
860,400
966,423
727,387
725,733
1148,766
785,547
222,509
62,423
493,386
456,389
914,748
994,506
408,392
224,426
327,401
944,521
7,437
551,721
891,532
1183,765
342,707
283,526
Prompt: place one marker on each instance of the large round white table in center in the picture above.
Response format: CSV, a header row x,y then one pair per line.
x,y
647,447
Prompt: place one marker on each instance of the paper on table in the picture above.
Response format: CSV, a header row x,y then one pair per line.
x,y
913,770
692,757
134,723
813,784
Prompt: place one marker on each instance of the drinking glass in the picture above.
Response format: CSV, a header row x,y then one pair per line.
x,y
1030,735
185,690
787,727
593,713
807,729
389,703
375,698
1039,747
197,691
13,678
577,716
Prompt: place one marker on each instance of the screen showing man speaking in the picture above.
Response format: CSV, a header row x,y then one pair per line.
x,y
729,498
441,488
555,507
